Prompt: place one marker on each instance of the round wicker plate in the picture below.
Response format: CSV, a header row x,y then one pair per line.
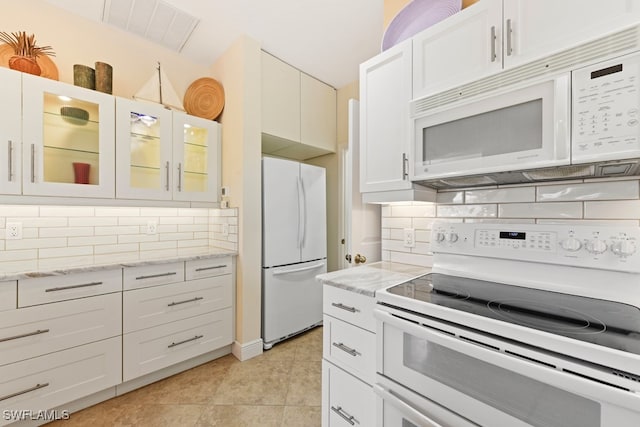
x,y
204,98
49,69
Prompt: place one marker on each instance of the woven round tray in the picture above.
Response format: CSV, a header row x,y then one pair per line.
x,y
204,98
49,69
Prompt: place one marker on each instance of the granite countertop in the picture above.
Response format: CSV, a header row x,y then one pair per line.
x,y
209,253
369,278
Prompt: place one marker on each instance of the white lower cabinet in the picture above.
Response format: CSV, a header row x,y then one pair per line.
x,y
349,358
149,350
54,379
347,401
66,339
167,323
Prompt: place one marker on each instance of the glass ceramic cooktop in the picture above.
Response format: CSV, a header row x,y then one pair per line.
x,y
610,324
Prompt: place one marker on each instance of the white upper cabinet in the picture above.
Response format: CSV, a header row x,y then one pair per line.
x,y
196,156
385,92
492,35
535,29
462,48
317,113
144,150
280,99
68,140
298,112
165,155
10,132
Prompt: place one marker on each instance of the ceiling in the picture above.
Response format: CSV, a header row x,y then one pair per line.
x,y
327,39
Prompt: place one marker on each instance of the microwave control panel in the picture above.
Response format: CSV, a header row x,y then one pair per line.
x,y
606,110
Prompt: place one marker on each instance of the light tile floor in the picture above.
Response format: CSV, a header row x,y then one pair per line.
x,y
281,387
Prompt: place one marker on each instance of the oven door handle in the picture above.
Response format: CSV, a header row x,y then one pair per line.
x,y
407,411
563,380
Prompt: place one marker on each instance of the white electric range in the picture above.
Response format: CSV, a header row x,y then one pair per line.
x,y
517,325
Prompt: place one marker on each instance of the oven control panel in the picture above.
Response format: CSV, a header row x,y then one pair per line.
x,y
616,248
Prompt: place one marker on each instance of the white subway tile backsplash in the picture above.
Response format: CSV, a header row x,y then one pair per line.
x,y
625,209
175,220
158,212
76,251
38,222
120,247
457,211
54,263
52,242
203,243
613,190
394,245
93,221
423,223
19,211
423,235
396,222
19,266
19,255
160,253
425,210
66,211
176,236
421,248
541,210
385,210
502,220
116,257
608,222
194,212
183,228
93,240
407,258
502,195
450,197
153,246
117,230
65,231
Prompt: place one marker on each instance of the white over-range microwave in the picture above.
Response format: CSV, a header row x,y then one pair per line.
x,y
579,123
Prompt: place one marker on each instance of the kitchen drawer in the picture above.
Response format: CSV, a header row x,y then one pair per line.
x,y
33,331
345,396
208,267
153,275
8,295
350,347
351,307
156,348
148,307
42,290
58,378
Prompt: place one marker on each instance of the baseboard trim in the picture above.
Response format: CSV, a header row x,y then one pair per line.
x,y
246,351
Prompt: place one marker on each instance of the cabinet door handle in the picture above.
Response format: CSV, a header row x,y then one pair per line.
x,y
405,161
352,351
345,415
33,163
185,301
509,37
174,344
18,393
211,268
179,176
64,288
345,307
493,44
28,334
10,156
166,168
153,276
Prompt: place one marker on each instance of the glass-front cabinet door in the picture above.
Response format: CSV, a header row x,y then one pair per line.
x,y
144,140
196,152
68,140
10,131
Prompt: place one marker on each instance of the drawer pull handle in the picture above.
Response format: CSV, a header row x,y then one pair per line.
x,y
153,276
34,388
211,268
345,415
345,307
185,301
174,344
64,288
29,334
349,350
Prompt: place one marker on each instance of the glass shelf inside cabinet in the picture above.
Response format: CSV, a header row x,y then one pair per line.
x,y
195,158
71,140
146,168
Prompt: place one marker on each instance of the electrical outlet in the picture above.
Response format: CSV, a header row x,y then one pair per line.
x,y
13,231
409,237
152,227
225,229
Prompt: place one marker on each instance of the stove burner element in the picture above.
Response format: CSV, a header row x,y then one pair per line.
x,y
558,319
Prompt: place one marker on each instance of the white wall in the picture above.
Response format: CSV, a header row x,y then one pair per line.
x,y
602,201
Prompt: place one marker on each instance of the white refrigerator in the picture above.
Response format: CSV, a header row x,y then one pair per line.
x,y
294,247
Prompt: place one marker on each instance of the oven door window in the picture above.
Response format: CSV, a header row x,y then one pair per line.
x,y
531,401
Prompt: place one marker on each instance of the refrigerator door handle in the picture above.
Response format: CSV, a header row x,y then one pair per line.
x,y
304,214
300,211
295,270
